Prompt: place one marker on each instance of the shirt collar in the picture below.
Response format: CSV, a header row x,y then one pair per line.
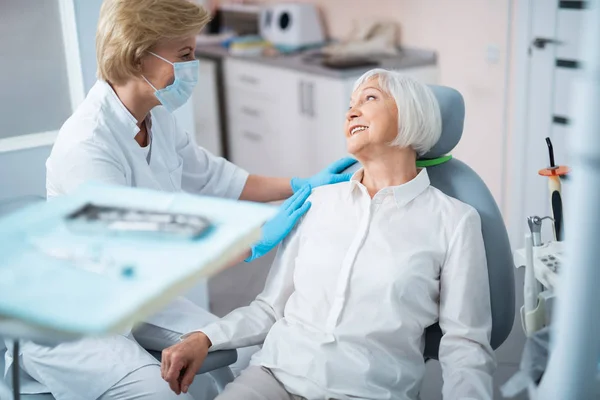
x,y
124,120
403,194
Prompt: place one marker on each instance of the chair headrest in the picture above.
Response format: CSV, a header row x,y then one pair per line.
x,y
452,109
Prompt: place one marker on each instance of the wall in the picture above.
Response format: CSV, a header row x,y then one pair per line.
x,y
460,31
87,13
517,88
32,68
36,106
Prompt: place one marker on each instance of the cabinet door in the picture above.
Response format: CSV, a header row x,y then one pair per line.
x,y
266,135
324,113
205,102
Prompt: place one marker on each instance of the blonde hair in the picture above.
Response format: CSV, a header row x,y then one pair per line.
x,y
419,116
127,29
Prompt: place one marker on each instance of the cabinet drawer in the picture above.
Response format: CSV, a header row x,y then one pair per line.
x,y
266,150
262,81
249,121
247,76
246,105
253,150
240,129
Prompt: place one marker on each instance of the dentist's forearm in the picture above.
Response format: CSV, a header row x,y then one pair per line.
x,y
264,189
242,257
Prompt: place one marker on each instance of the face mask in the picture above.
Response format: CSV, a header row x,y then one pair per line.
x,y
178,93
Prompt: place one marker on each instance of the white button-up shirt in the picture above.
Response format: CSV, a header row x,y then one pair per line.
x,y
353,288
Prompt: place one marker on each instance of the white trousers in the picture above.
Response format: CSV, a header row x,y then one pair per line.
x,y
143,384
256,383
117,367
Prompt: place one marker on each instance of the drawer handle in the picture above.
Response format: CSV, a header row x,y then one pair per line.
x,y
255,137
311,99
250,111
249,79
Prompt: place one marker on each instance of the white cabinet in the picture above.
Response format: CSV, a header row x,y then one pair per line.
x,y
205,103
322,119
282,122
264,125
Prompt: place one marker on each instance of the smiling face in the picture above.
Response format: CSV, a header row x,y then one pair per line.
x,y
371,121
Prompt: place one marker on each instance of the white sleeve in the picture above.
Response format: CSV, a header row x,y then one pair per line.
x,y
247,326
465,354
86,162
204,173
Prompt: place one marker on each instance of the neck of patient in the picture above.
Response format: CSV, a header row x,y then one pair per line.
x,y
394,167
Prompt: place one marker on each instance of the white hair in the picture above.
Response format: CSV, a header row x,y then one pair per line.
x,y
419,117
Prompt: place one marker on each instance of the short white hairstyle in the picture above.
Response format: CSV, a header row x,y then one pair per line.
x,y
419,117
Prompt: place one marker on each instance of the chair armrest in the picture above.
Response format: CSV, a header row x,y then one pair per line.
x,y
218,359
214,360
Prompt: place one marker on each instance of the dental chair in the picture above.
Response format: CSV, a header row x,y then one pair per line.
x,y
216,364
456,179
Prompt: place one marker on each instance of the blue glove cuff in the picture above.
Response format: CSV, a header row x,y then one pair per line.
x,y
253,255
258,250
297,184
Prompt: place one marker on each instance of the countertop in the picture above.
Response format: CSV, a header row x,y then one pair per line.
x,y
310,61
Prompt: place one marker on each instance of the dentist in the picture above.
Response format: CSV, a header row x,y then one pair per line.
x,y
124,133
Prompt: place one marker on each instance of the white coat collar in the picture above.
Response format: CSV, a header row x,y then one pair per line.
x,y
124,120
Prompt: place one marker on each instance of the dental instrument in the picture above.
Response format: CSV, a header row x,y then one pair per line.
x,y
541,262
555,173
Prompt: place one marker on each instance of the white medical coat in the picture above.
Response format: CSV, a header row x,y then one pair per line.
x,y
97,144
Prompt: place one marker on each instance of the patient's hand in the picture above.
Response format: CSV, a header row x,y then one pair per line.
x,y
180,362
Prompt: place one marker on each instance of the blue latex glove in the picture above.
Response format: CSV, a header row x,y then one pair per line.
x,y
329,175
277,228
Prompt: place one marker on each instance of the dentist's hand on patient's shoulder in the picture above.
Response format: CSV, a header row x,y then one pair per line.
x,y
181,361
275,230
331,174
278,227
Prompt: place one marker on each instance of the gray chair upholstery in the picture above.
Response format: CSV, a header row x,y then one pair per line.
x,y
42,396
216,364
457,180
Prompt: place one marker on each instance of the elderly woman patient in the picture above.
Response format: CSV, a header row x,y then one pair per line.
x,y
373,263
